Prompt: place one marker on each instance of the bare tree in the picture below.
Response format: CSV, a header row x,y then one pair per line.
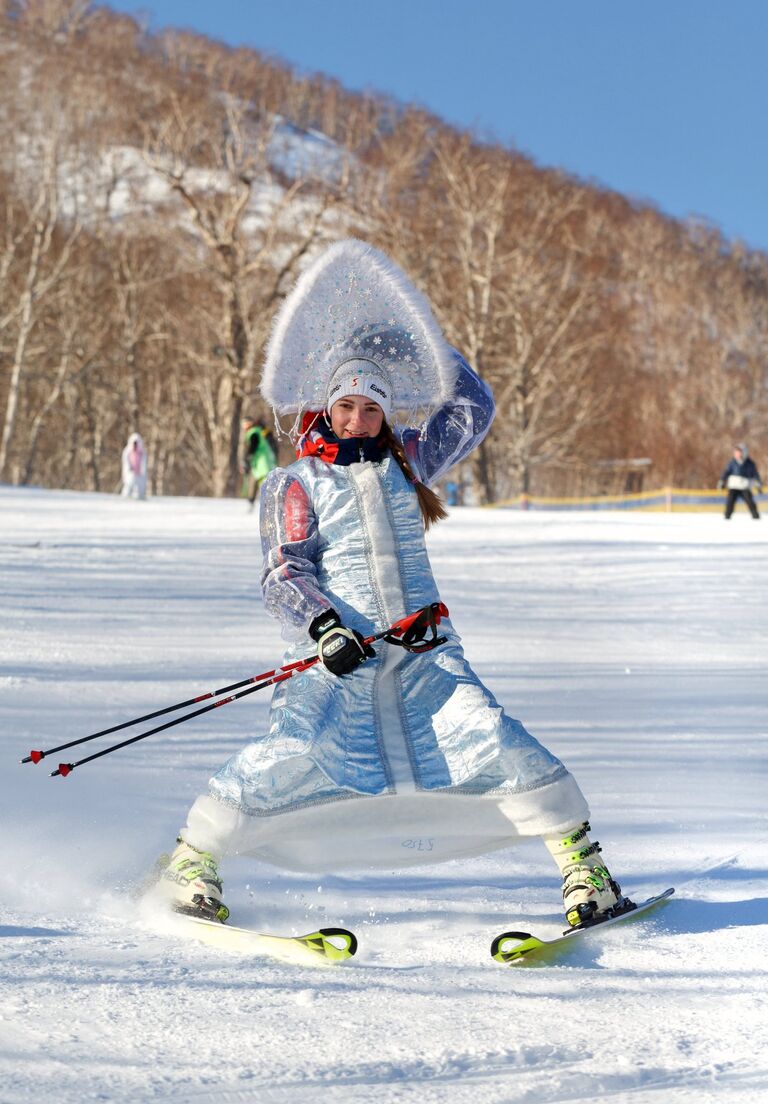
x,y
499,251
551,391
35,260
150,222
247,232
60,20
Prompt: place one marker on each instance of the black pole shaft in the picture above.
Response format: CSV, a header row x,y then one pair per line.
x,y
279,675
38,755
179,720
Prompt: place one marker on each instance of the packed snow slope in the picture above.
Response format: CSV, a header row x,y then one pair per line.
x,y
633,645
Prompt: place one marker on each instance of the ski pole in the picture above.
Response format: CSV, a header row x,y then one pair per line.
x,y
64,769
36,756
392,635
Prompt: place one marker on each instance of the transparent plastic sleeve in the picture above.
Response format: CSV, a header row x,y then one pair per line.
x,y
454,430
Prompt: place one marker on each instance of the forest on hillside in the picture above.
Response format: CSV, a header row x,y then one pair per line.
x,y
160,193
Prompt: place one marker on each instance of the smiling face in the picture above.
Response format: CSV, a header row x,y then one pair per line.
x,y
356,416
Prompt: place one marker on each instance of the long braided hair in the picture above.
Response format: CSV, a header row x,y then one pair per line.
x,y
430,504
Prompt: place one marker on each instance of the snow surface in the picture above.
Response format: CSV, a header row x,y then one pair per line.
x,y
631,644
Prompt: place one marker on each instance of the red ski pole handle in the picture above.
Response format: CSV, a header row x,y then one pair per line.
x,y
418,631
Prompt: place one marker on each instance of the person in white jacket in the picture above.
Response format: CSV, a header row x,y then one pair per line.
x,y
134,468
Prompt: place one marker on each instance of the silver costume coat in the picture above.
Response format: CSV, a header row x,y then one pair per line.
x,y
352,538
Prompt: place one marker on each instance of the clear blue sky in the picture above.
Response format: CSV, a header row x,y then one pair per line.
x,y
663,100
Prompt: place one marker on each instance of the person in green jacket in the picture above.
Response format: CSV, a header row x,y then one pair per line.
x,y
258,456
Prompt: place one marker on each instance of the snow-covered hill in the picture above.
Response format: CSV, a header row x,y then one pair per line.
x,y
633,645
123,187
124,183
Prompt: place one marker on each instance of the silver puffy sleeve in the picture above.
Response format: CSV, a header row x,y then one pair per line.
x,y
289,547
454,430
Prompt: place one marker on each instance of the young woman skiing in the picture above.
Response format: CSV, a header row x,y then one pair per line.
x,y
392,755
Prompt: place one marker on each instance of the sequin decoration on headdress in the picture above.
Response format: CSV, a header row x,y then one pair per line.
x,y
354,302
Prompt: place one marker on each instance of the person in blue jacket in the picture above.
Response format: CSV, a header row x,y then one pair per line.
x,y
740,478
385,756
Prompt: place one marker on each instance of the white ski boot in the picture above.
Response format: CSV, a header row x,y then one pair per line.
x,y
192,884
590,894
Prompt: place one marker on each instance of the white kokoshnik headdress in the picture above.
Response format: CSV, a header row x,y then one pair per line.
x,y
354,313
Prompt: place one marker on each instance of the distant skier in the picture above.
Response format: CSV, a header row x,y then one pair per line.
x,y
134,468
258,457
400,755
740,478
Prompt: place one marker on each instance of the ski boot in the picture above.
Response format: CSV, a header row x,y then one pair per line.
x,y
590,894
192,882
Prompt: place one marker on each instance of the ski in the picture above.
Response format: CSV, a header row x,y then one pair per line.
x,y
514,947
321,947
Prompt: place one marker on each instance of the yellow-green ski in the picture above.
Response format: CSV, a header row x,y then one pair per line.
x,y
322,947
513,947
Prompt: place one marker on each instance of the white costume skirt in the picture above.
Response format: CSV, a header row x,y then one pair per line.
x,y
387,831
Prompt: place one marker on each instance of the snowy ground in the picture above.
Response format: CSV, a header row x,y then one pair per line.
x,y
633,645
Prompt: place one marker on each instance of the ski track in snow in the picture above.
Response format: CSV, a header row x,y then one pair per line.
x,y
631,644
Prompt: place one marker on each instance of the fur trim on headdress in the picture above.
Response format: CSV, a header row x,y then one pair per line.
x,y
351,303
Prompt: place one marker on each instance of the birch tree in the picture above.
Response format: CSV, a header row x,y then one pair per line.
x,y
247,233
34,260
